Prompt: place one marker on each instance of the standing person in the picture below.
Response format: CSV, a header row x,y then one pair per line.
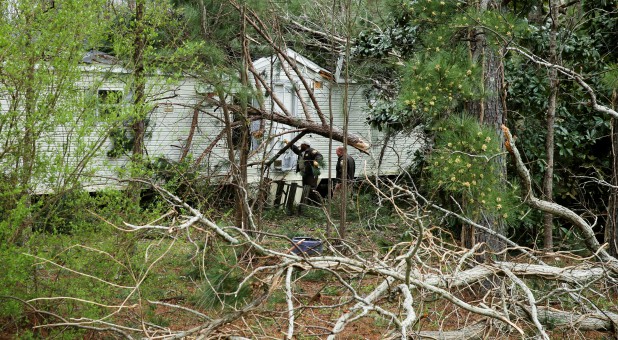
x,y
308,163
350,169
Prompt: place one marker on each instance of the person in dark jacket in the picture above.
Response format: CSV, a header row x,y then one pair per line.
x,y
308,163
350,168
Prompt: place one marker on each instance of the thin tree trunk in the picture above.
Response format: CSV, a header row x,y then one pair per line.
x,y
346,116
330,151
242,215
611,227
139,87
27,156
187,147
231,153
548,183
330,137
491,112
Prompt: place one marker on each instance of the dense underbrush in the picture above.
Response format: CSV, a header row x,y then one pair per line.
x,y
113,270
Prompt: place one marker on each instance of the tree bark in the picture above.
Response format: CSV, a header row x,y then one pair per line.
x,y
474,331
548,183
491,112
189,141
593,321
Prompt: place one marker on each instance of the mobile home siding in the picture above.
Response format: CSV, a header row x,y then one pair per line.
x,y
172,105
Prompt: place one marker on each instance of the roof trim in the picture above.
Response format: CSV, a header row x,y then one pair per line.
x,y
265,61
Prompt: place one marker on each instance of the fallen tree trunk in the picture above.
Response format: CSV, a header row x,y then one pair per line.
x,y
551,318
567,274
470,276
558,319
311,127
475,331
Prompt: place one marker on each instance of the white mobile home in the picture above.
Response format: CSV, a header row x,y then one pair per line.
x,y
182,124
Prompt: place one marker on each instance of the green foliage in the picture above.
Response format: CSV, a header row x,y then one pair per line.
x,y
368,211
441,76
441,73
610,78
212,22
14,210
184,180
71,211
389,115
41,48
582,145
465,164
222,277
103,254
313,275
122,138
398,37
14,280
437,83
155,21
64,212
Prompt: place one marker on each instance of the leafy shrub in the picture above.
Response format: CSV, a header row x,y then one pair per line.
x,y
64,212
15,280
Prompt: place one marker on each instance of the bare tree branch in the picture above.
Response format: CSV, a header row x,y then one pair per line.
x,y
572,75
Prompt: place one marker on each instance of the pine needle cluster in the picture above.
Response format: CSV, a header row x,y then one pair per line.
x,y
465,164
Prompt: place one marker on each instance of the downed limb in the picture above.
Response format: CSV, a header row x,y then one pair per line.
x,y
310,127
348,317
198,216
555,209
406,280
594,321
474,331
407,305
563,274
531,302
290,302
